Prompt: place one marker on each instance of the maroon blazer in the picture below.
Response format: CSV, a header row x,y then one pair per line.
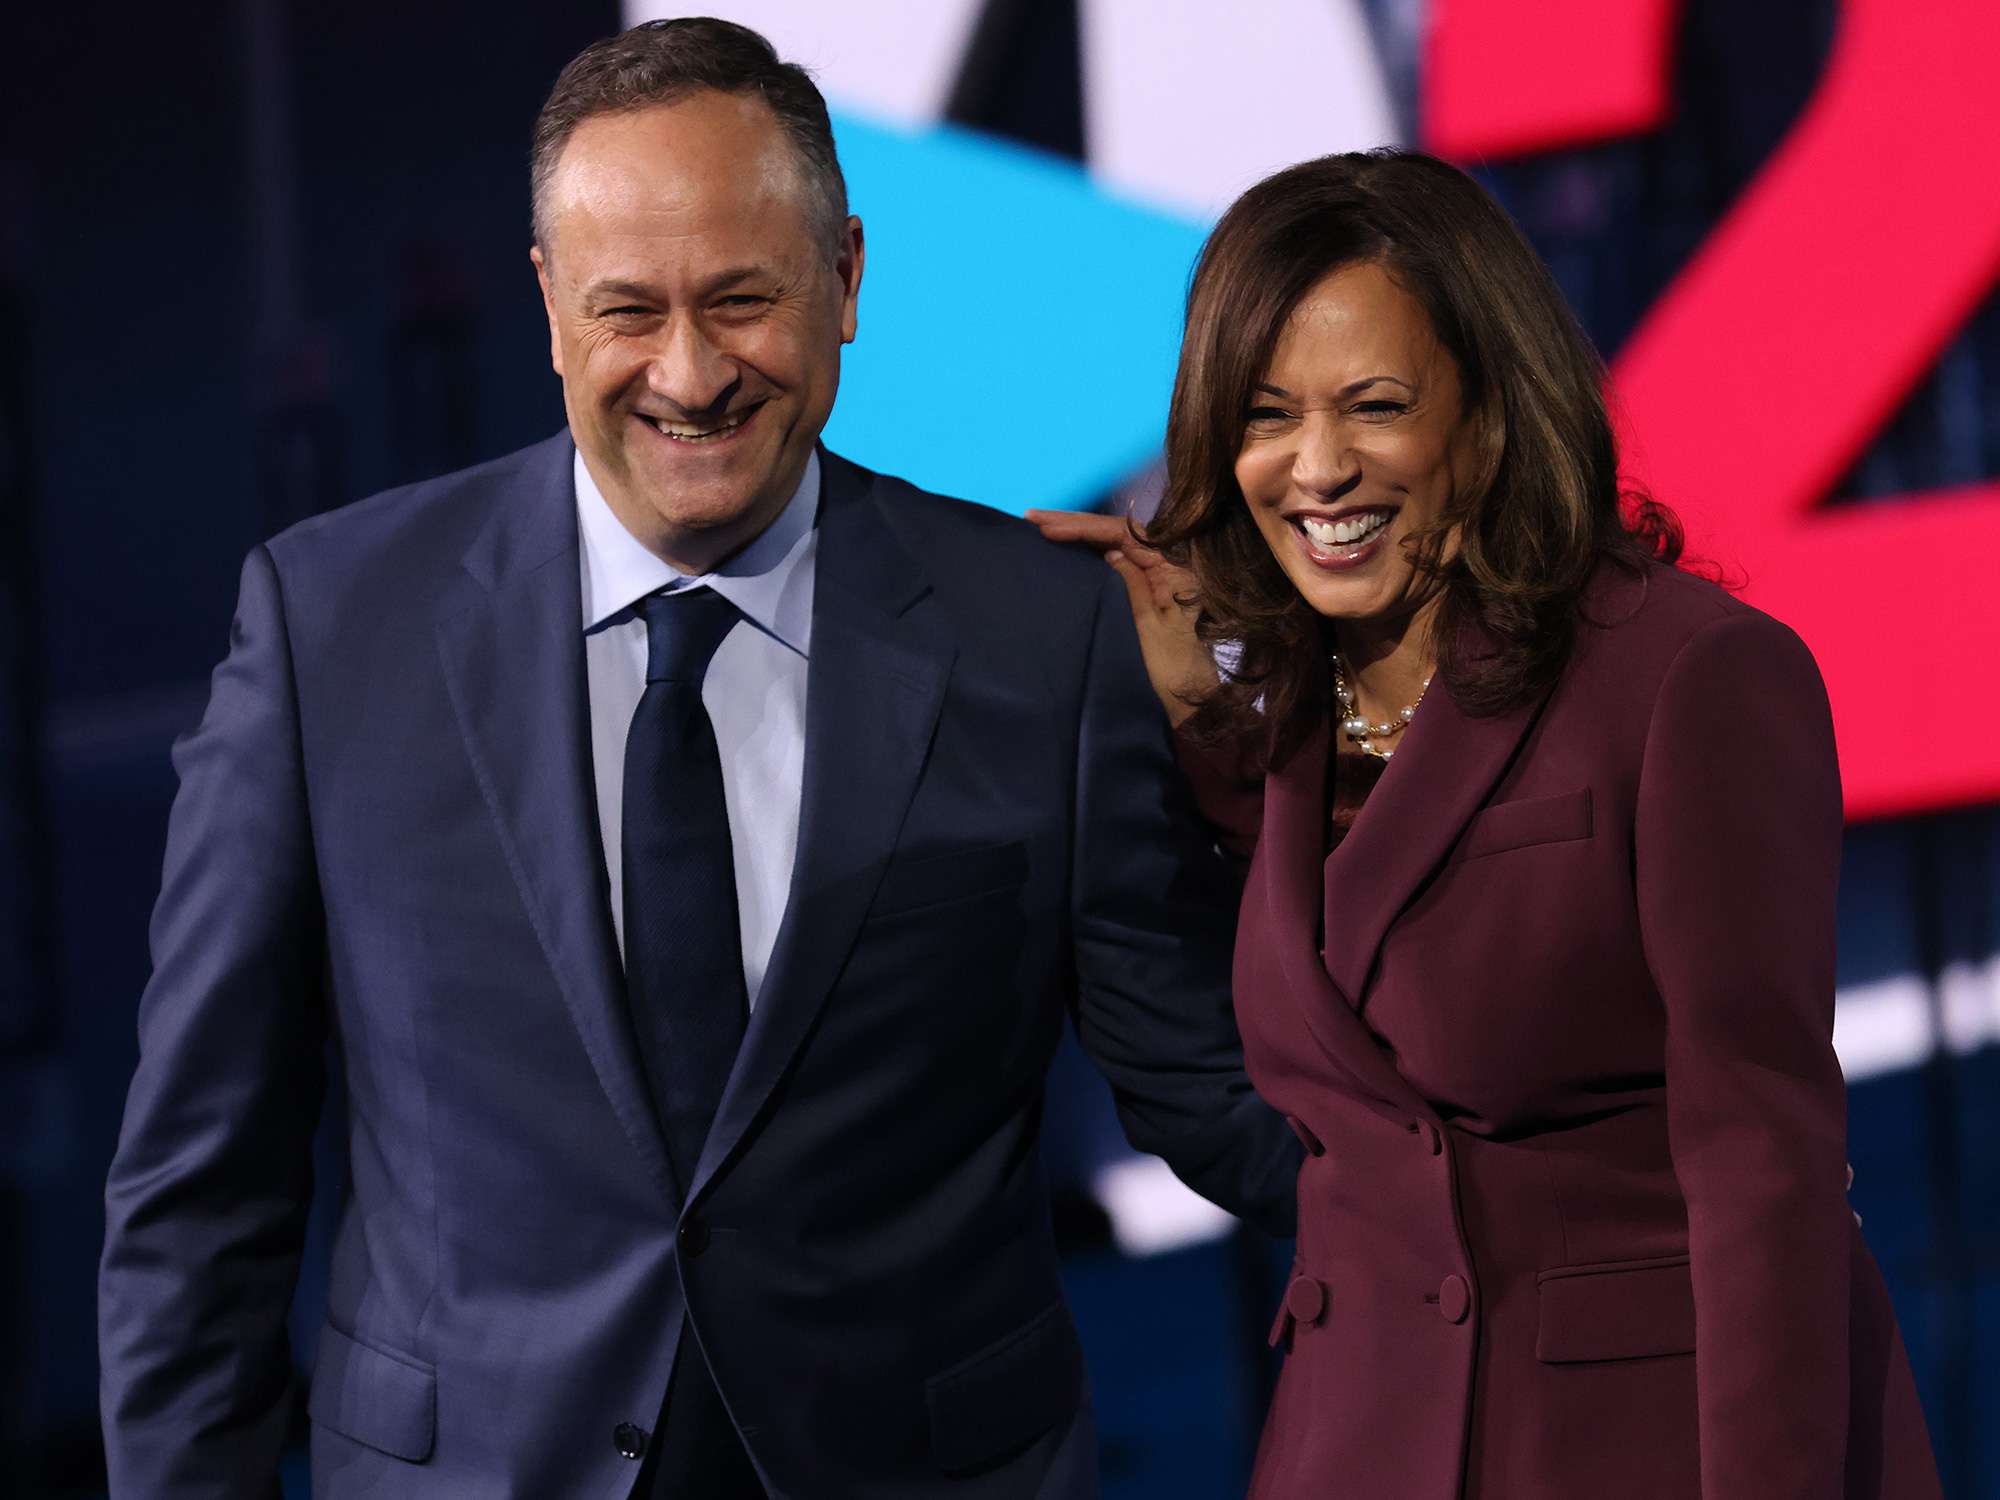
x,y
1572,1221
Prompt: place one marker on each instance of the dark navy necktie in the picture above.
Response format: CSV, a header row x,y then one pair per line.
x,y
683,949
684,977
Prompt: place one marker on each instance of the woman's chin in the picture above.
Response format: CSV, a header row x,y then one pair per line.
x,y
1349,599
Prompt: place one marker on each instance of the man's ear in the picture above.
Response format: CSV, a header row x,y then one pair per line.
x,y
848,267
544,276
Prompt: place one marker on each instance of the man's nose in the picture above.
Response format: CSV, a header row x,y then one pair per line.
x,y
687,369
1325,463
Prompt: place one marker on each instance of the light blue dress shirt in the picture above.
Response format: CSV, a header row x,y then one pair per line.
x,y
755,692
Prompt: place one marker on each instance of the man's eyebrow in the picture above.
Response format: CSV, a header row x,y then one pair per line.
x,y
639,291
604,291
734,276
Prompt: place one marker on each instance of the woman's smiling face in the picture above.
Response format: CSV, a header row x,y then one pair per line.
x,y
1354,442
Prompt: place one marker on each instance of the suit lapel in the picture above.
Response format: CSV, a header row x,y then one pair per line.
x,y
879,664
1448,766
1282,920
514,667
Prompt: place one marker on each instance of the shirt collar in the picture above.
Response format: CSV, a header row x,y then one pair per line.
x,y
770,580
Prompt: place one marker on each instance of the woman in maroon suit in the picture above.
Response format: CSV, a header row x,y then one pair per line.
x,y
1548,995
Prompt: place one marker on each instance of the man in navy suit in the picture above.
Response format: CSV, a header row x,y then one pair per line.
x,y
692,844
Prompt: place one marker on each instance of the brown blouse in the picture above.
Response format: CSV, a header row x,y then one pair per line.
x,y
1351,776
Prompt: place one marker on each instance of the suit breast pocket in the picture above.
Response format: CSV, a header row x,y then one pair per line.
x,y
934,879
1564,818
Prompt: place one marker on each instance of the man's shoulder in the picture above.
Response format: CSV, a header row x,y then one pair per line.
x,y
972,544
425,525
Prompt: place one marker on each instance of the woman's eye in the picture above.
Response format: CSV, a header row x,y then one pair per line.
x,y
1378,408
1267,414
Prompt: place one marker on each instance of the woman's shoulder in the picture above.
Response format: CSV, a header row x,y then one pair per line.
x,y
1641,622
1650,611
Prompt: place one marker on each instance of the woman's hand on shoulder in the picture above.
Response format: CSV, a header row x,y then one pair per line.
x,y
1180,665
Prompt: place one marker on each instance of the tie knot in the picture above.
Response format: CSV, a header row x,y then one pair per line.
x,y
682,631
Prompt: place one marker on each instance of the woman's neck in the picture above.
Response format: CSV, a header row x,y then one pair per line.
x,y
1388,664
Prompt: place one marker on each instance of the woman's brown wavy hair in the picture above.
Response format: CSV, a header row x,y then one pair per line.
x,y
1543,506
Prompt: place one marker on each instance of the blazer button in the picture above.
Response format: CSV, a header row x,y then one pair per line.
x,y
631,1440
694,1236
1305,1299
1454,1299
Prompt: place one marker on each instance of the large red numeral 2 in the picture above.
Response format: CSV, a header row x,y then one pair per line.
x,y
1790,338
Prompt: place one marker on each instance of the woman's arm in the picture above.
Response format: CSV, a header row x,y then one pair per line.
x,y
1737,860
1179,665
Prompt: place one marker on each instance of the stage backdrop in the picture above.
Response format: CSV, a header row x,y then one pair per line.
x,y
1778,223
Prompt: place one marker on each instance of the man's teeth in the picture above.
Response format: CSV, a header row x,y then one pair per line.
x,y
1344,533
689,432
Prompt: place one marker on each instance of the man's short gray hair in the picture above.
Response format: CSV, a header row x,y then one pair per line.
x,y
662,62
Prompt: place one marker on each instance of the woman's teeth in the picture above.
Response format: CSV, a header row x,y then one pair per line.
x,y
1344,533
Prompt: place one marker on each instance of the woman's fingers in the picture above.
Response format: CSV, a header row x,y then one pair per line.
x,y
1155,588
1170,586
1137,584
1101,532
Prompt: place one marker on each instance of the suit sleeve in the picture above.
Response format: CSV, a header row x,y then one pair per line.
x,y
1737,842
1154,917
205,1208
1229,792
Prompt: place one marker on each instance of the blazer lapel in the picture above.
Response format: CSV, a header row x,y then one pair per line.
x,y
1282,921
878,670
1447,768
514,667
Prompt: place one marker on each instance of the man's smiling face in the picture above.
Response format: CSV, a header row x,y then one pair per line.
x,y
696,314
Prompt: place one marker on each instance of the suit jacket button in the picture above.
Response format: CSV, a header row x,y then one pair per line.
x,y
1454,1299
694,1236
1305,1299
631,1440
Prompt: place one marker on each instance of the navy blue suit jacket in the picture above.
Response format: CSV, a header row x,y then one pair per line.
x,y
385,835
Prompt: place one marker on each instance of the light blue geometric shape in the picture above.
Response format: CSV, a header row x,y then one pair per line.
x,y
1019,326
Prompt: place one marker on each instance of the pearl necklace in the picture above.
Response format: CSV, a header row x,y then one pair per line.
x,y
1355,725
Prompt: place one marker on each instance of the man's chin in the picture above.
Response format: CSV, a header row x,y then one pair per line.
x,y
703,527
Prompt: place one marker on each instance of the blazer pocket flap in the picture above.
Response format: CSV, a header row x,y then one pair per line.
x,y
1629,1309
995,1403
386,1401
934,879
1534,820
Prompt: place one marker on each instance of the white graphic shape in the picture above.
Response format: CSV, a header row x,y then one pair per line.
x,y
1186,102
1152,1211
894,60
1892,1024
